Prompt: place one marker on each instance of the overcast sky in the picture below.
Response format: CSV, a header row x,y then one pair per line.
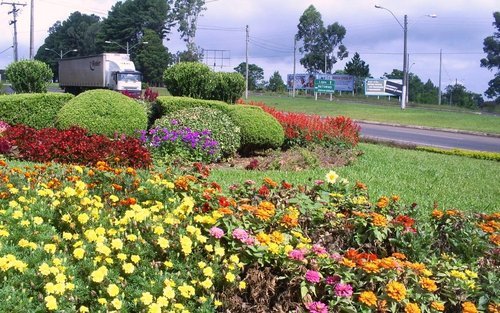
x,y
459,30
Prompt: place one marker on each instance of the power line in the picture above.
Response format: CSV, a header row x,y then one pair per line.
x,y
14,22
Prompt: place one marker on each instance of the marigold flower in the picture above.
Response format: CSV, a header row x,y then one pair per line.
x,y
186,290
428,284
79,253
113,290
117,304
438,306
382,202
230,277
396,290
412,308
468,307
146,298
50,303
368,298
128,268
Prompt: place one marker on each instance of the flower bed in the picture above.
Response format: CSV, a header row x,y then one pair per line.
x,y
101,239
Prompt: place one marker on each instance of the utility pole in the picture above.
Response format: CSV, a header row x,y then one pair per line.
x,y
294,51
405,63
32,22
440,62
246,57
325,62
14,21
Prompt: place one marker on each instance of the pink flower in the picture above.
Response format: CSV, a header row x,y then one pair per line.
x,y
313,276
240,234
333,280
216,232
250,241
336,256
317,307
343,290
296,255
318,249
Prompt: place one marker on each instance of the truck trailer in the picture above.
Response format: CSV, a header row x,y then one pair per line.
x,y
112,71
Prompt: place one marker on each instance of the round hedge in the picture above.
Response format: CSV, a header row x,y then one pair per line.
x,y
103,112
222,128
259,130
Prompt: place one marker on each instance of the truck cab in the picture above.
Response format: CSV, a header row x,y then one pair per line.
x,y
123,77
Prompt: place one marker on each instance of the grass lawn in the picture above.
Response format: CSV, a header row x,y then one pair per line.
x,y
416,176
471,121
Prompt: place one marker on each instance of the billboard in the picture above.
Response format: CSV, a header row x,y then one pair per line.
x,y
306,81
383,87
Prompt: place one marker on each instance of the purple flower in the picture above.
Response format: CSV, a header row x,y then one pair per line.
x,y
240,234
317,307
216,232
343,290
297,254
313,276
333,280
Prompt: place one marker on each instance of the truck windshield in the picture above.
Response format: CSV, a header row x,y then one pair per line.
x,y
129,77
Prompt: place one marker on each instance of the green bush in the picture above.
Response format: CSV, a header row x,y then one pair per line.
x,y
229,87
259,130
190,79
493,156
171,104
37,110
103,112
222,128
29,76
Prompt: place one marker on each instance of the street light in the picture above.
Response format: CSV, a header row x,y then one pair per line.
x,y
127,48
60,53
405,30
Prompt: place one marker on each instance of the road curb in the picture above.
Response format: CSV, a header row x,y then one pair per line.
x,y
449,130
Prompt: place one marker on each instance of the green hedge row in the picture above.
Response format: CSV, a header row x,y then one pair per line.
x,y
494,156
37,110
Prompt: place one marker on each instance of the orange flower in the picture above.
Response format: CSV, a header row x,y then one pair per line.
x,y
468,307
289,221
270,182
382,202
437,214
398,255
117,187
368,298
438,306
495,239
389,263
265,210
417,267
452,212
370,267
395,290
348,263
360,185
181,183
412,308
428,284
395,198
379,220
493,308
3,163
225,211
247,207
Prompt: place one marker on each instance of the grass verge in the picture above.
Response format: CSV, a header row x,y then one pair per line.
x,y
417,176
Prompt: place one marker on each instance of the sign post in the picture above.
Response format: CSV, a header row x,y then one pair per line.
x,y
324,86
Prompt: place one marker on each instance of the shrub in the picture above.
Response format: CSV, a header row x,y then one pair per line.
x,y
75,146
35,110
494,156
228,87
259,130
171,104
189,79
103,112
29,76
220,125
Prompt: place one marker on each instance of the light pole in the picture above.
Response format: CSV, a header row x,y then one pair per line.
x,y
405,31
127,48
60,53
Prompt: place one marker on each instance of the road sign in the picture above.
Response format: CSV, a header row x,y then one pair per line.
x,y
324,85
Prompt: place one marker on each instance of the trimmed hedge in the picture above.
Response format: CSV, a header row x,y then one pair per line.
x,y
190,79
259,130
104,112
483,155
37,110
170,104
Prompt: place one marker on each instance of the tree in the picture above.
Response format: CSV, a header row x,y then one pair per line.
x,y
319,42
255,74
276,83
458,95
359,69
186,14
492,60
153,59
29,76
77,32
192,54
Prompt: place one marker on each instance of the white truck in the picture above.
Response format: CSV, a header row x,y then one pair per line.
x,y
113,71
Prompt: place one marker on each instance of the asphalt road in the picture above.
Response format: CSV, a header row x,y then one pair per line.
x,y
426,137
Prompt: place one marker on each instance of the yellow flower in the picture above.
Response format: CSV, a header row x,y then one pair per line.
x,y
428,284
230,277
412,308
208,272
154,308
158,230
438,306
117,244
128,268
457,274
219,251
368,298
83,218
102,301
186,290
113,290
202,264
99,274
395,290
207,283
44,269
331,177
163,243
51,303
121,256
468,307
242,285
38,220
186,244
83,309
78,253
135,258
169,292
131,237
117,304
50,248
146,298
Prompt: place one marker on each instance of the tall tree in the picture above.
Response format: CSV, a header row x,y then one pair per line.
x,y
255,74
458,95
153,59
359,69
78,32
319,42
186,14
276,83
492,60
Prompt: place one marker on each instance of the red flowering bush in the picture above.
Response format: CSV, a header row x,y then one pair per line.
x,y
76,146
301,129
150,95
